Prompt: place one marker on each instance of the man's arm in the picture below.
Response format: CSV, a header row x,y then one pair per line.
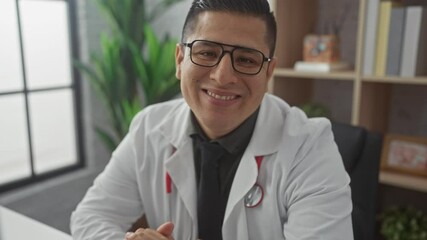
x,y
318,194
112,204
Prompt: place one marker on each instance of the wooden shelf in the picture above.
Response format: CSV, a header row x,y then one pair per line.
x,y
403,181
372,96
397,80
289,72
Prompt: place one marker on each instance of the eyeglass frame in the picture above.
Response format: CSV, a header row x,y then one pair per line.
x,y
190,46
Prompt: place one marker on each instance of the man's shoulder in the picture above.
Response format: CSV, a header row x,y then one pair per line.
x,y
156,113
291,114
163,107
292,121
166,106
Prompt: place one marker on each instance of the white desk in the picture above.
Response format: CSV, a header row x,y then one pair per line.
x,y
14,226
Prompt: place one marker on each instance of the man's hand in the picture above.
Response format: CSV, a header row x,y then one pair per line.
x,y
164,232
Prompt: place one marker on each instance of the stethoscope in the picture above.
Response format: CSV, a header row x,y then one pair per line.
x,y
255,195
252,199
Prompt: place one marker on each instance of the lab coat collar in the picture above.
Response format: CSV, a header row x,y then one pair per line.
x,y
177,126
268,129
265,140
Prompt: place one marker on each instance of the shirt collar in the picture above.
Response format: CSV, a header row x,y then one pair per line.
x,y
235,140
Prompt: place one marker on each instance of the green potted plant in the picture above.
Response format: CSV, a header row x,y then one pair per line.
x,y
134,68
403,223
313,109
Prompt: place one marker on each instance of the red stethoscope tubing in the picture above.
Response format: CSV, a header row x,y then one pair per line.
x,y
255,189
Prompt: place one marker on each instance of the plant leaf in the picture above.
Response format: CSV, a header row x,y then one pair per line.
x,y
109,141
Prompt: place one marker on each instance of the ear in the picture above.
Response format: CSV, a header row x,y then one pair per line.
x,y
179,58
271,67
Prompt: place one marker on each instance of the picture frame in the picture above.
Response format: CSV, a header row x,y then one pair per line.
x,y
405,154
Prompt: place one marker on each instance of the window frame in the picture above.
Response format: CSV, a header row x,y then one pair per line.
x,y
76,89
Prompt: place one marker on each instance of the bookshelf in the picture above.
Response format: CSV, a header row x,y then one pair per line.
x,y
370,101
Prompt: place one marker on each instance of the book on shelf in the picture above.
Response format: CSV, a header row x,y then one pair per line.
x,y
382,36
372,10
395,41
320,67
414,50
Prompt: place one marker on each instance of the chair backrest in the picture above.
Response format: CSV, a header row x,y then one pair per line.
x,y
361,151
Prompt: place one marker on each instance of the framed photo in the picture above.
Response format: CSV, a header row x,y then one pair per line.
x,y
405,154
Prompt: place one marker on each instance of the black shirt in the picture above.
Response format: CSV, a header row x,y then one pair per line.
x,y
234,143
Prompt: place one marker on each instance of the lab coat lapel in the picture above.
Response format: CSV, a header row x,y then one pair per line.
x,y
235,218
265,142
180,167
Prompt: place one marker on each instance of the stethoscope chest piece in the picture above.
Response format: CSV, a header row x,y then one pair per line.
x,y
254,197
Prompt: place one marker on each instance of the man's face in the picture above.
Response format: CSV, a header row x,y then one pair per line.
x,y
220,97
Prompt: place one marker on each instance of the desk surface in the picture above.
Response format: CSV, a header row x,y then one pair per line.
x,y
14,226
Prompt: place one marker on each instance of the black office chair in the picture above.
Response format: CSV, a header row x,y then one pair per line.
x,y
361,150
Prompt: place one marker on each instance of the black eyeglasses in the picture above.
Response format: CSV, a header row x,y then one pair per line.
x,y
244,60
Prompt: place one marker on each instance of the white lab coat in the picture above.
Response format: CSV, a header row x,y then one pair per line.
x,y
306,189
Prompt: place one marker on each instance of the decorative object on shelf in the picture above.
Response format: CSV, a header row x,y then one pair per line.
x,y
321,48
321,54
321,51
403,223
134,68
312,109
406,154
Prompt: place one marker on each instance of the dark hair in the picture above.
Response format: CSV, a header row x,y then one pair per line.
x,y
256,8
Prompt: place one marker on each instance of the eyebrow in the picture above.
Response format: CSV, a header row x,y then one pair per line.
x,y
230,45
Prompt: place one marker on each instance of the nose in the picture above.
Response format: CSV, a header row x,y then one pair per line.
x,y
223,72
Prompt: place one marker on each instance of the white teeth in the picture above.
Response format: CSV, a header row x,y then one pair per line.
x,y
224,98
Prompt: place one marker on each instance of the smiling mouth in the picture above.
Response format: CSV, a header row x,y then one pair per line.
x,y
221,97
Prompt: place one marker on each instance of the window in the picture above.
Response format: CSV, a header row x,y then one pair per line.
x,y
40,132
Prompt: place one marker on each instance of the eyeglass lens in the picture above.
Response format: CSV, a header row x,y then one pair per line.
x,y
209,54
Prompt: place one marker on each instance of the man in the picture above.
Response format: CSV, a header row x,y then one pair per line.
x,y
228,161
